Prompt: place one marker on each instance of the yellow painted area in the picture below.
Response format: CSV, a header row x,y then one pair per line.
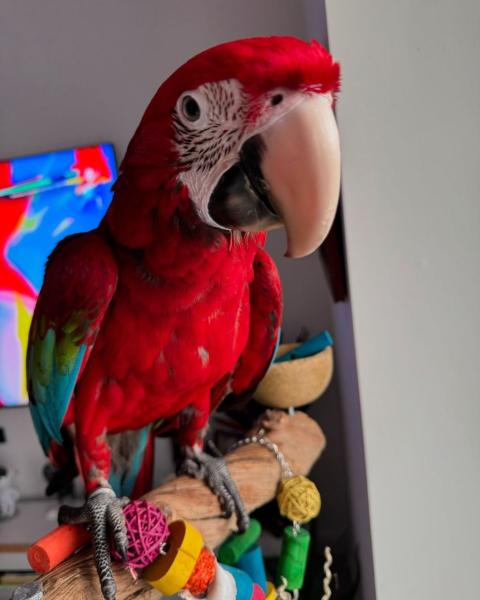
x,y
24,318
271,591
171,571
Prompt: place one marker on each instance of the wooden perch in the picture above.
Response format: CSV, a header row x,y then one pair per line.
x,y
256,473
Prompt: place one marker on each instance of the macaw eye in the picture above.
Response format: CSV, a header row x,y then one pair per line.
x,y
277,99
190,108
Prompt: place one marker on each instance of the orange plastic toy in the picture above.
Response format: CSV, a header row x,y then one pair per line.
x,y
50,550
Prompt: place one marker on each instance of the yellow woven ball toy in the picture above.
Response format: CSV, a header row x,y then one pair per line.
x,y
298,499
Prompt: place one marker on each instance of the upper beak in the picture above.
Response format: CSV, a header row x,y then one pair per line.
x,y
301,166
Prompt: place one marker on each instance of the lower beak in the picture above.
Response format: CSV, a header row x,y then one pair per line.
x,y
301,166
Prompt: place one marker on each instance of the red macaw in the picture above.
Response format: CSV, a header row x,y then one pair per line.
x,y
151,319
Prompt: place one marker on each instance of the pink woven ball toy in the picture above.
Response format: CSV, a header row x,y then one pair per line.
x,y
147,531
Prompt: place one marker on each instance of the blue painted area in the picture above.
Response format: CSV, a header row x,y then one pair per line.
x,y
312,346
55,164
243,582
252,564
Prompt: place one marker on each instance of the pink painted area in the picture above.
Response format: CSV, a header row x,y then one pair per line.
x,y
258,593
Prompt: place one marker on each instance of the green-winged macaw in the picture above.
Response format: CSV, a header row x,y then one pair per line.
x,y
171,304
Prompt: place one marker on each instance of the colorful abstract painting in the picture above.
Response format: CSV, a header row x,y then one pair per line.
x,y
43,198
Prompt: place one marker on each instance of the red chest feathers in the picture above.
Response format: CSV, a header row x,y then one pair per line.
x,y
165,339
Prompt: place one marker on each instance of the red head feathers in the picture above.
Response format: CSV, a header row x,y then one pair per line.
x,y
224,126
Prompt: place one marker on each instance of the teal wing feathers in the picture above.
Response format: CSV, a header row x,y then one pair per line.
x,y
52,379
124,473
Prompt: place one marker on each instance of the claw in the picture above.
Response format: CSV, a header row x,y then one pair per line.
x,y
214,472
103,513
116,521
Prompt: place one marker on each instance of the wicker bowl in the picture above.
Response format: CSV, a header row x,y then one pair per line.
x,y
296,382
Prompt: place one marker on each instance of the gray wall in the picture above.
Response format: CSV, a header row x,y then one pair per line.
x,y
75,72
410,124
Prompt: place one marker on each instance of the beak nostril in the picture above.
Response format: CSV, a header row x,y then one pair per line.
x,y
277,99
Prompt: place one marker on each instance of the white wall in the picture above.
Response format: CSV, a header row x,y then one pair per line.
x,y
410,125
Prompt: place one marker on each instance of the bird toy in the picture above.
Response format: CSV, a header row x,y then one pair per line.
x,y
237,572
299,501
299,374
147,532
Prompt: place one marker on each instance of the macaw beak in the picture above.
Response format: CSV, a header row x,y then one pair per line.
x,y
289,174
301,165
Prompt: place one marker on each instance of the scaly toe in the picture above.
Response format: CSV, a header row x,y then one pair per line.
x,y
226,502
214,472
105,515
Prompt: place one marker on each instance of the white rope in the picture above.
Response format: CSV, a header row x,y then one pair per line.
x,y
327,580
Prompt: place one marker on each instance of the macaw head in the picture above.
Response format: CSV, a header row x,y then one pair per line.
x,y
247,128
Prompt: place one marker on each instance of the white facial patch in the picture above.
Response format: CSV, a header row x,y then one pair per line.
x,y
209,145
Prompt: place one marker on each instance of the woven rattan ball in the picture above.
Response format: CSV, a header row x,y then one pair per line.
x,y
298,499
147,531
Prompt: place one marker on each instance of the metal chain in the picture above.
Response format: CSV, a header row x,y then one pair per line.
x,y
260,438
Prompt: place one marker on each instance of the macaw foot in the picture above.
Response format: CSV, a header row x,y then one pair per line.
x,y
103,514
213,471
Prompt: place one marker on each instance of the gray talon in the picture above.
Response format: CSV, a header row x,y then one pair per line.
x,y
103,513
214,472
28,591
